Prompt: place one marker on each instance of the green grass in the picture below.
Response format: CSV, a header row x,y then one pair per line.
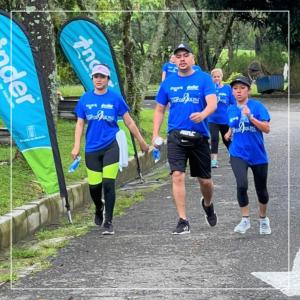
x,y
33,256
71,90
78,90
224,56
23,183
146,123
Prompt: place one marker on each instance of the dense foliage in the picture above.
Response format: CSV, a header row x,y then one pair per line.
x,y
220,28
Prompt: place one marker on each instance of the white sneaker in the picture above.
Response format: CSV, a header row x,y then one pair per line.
x,y
243,226
264,227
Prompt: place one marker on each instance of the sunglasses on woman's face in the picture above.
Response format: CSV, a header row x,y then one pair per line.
x,y
99,76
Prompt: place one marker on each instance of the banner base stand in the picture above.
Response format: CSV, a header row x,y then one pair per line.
x,y
69,217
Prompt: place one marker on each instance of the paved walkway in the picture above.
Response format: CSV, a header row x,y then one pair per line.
x,y
143,260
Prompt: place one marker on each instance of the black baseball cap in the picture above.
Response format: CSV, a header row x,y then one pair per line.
x,y
183,46
241,79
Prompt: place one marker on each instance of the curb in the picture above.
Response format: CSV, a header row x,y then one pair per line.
x,y
25,220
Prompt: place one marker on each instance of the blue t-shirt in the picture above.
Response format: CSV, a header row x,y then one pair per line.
x,y
169,68
247,140
101,113
196,68
186,95
225,98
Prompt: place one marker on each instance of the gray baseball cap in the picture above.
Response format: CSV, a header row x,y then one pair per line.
x,y
241,79
183,46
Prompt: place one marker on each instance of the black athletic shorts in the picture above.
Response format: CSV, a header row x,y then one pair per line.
x,y
197,152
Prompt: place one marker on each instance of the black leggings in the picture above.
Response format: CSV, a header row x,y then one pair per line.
x,y
214,136
109,196
102,168
260,174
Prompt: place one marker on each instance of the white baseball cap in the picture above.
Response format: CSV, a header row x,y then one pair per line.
x,y
101,69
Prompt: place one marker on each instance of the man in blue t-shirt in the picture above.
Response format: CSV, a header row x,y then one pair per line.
x,y
100,109
191,96
248,119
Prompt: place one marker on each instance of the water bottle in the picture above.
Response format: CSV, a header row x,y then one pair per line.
x,y
156,152
158,142
74,165
156,155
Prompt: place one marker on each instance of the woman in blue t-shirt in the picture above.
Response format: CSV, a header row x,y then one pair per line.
x,y
169,68
248,120
217,121
100,108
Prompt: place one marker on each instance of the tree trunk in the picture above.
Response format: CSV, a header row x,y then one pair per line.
x,y
225,37
201,38
146,69
89,6
261,38
38,24
294,71
128,52
136,86
230,47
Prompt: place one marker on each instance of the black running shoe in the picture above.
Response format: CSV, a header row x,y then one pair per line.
x,y
108,228
182,227
210,215
99,217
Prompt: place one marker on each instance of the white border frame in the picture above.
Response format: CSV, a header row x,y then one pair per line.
x,y
288,166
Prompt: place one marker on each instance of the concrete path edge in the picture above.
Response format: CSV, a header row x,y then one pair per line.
x,y
25,220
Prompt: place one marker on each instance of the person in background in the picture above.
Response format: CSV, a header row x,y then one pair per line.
x,y
217,121
196,67
192,98
248,120
169,68
100,108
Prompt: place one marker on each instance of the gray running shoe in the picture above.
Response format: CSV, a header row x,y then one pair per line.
x,y
243,226
108,228
264,227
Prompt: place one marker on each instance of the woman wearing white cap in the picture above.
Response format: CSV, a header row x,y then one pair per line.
x,y
100,108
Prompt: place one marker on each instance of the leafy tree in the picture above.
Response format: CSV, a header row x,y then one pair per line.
x,y
279,24
199,27
138,59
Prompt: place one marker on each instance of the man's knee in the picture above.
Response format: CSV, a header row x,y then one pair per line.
x,y
206,183
178,177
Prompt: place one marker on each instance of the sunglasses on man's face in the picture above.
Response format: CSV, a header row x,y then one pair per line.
x,y
99,76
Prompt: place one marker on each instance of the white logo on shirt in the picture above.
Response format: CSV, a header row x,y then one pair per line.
x,y
100,116
243,129
107,106
233,119
192,88
185,99
222,98
90,106
176,88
